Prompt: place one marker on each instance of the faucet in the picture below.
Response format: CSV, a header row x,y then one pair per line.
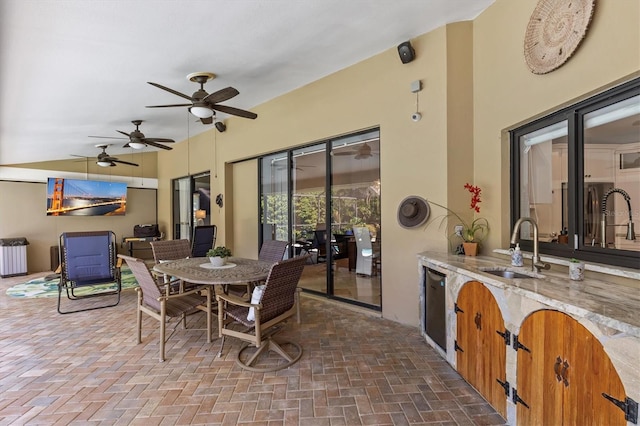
x,y
536,263
631,235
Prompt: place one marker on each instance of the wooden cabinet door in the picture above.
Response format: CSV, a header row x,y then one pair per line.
x,y
589,374
562,374
481,357
537,382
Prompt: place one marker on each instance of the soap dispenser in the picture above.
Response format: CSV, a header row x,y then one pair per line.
x,y
516,256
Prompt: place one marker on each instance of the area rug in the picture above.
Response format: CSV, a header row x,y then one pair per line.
x,y
40,287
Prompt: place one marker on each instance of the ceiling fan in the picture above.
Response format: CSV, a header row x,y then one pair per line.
x,y
204,105
105,160
137,140
362,152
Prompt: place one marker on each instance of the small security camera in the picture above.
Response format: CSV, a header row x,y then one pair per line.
x,y
416,116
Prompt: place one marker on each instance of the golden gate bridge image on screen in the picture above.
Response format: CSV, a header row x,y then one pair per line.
x,y
71,197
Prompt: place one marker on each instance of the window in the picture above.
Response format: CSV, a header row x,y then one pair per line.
x,y
575,173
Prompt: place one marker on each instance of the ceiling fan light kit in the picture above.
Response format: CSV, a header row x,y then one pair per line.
x,y
137,145
201,111
104,163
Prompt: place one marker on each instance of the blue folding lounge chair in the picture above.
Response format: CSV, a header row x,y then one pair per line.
x,y
88,259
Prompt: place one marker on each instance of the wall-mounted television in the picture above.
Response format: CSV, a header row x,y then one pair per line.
x,y
73,197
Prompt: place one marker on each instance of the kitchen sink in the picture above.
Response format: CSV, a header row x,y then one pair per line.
x,y
505,273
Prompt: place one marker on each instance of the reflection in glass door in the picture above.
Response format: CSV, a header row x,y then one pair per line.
x,y
191,204
355,218
309,200
343,240
274,198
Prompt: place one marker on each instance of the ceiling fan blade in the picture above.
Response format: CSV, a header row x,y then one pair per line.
x,y
221,95
235,111
169,106
182,95
362,156
157,145
161,140
107,137
115,160
207,120
124,133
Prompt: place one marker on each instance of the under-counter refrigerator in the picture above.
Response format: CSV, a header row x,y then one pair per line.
x,y
435,313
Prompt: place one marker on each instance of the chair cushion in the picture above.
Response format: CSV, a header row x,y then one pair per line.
x,y
256,296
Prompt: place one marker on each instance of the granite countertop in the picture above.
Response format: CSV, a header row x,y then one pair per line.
x,y
611,305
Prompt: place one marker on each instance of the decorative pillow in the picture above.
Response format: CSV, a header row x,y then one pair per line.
x,y
255,299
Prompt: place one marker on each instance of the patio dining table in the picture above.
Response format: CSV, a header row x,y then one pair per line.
x,y
198,270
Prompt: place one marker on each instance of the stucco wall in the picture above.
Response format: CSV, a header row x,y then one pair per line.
x,y
452,144
506,93
24,215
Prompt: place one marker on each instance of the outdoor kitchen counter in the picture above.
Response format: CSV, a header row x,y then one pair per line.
x,y
611,305
608,311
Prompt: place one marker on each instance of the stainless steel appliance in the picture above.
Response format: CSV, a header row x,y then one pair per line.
x,y
593,194
434,315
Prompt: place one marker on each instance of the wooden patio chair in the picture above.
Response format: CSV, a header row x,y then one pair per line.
x,y
276,303
153,301
272,250
167,250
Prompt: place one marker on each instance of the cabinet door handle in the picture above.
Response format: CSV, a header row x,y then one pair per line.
x,y
565,367
478,320
556,368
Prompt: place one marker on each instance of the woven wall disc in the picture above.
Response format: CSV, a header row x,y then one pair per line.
x,y
555,30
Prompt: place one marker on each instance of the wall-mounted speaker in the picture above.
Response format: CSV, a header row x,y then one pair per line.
x,y
406,52
220,126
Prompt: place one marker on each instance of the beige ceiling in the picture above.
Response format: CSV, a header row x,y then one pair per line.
x,y
74,68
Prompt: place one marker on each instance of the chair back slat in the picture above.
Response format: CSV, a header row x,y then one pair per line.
x,y
150,290
280,289
272,250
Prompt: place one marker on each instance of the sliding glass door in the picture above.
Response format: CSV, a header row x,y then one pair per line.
x,y
325,200
355,217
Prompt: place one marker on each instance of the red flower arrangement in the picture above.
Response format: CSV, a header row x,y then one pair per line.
x,y
475,197
477,230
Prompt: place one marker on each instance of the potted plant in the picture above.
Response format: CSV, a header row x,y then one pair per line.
x,y
218,256
474,232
